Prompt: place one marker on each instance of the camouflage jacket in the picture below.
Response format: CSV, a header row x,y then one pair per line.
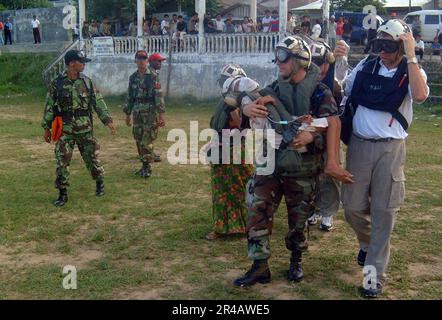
x,y
74,101
144,92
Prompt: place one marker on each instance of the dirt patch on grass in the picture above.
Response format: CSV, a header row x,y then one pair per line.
x,y
10,258
428,269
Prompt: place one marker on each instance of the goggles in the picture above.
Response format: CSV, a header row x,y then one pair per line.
x,y
386,45
282,55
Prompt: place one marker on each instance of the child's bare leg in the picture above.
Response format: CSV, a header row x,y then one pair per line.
x,y
333,166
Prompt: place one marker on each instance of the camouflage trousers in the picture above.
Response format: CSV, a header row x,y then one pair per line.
x,y
89,150
145,132
267,195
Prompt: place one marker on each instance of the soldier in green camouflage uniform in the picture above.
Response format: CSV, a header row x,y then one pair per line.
x,y
145,103
299,92
72,96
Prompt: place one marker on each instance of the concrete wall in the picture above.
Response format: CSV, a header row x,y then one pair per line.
x,y
51,27
191,74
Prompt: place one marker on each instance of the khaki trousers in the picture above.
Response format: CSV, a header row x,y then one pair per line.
x,y
371,203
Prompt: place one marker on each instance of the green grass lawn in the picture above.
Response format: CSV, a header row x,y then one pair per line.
x,y
144,239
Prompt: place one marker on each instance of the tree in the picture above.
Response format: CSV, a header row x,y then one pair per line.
x,y
357,5
23,4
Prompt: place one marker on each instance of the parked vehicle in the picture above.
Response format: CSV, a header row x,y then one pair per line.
x,y
429,19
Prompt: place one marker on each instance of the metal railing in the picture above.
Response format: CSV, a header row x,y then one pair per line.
x,y
213,44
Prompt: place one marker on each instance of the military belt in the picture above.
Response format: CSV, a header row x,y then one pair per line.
x,y
143,100
75,114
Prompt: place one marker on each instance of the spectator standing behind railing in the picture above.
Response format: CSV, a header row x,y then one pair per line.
x,y
229,27
191,26
1,32
291,23
332,32
339,29
36,29
156,28
265,22
316,30
416,26
93,29
246,25
173,23
305,26
274,24
8,31
348,28
165,26
181,31
133,28
105,28
219,24
85,30
419,46
208,24
146,27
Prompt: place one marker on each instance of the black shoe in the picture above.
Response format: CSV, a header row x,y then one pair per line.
x,y
62,198
100,189
361,257
258,273
146,170
372,293
157,158
295,273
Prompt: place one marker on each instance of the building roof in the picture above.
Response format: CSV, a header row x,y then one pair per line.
x,y
405,3
316,5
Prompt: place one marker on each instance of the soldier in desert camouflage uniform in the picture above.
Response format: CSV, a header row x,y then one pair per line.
x,y
146,105
72,97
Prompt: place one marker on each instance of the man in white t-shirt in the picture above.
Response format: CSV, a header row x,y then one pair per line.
x,y
382,91
316,30
419,46
165,25
219,24
266,22
36,30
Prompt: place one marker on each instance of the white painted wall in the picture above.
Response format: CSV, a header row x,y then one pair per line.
x,y
192,74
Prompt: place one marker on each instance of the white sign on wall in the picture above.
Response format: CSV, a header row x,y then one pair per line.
x,y
69,21
103,46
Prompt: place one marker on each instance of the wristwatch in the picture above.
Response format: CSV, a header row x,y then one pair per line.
x,y
412,60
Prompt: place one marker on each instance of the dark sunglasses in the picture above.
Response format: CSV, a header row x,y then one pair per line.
x,y
386,45
141,58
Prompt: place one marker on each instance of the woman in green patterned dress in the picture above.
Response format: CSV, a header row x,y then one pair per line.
x,y
228,194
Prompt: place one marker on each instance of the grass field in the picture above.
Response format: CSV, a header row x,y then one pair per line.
x,y
144,239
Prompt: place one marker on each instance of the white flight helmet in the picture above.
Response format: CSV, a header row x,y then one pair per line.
x,y
322,51
239,84
395,28
232,70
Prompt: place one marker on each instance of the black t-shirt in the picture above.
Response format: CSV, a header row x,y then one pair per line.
x,y
181,26
305,24
347,27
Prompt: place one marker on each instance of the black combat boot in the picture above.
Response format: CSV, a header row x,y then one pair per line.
x,y
259,272
99,191
146,171
157,157
295,274
62,198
